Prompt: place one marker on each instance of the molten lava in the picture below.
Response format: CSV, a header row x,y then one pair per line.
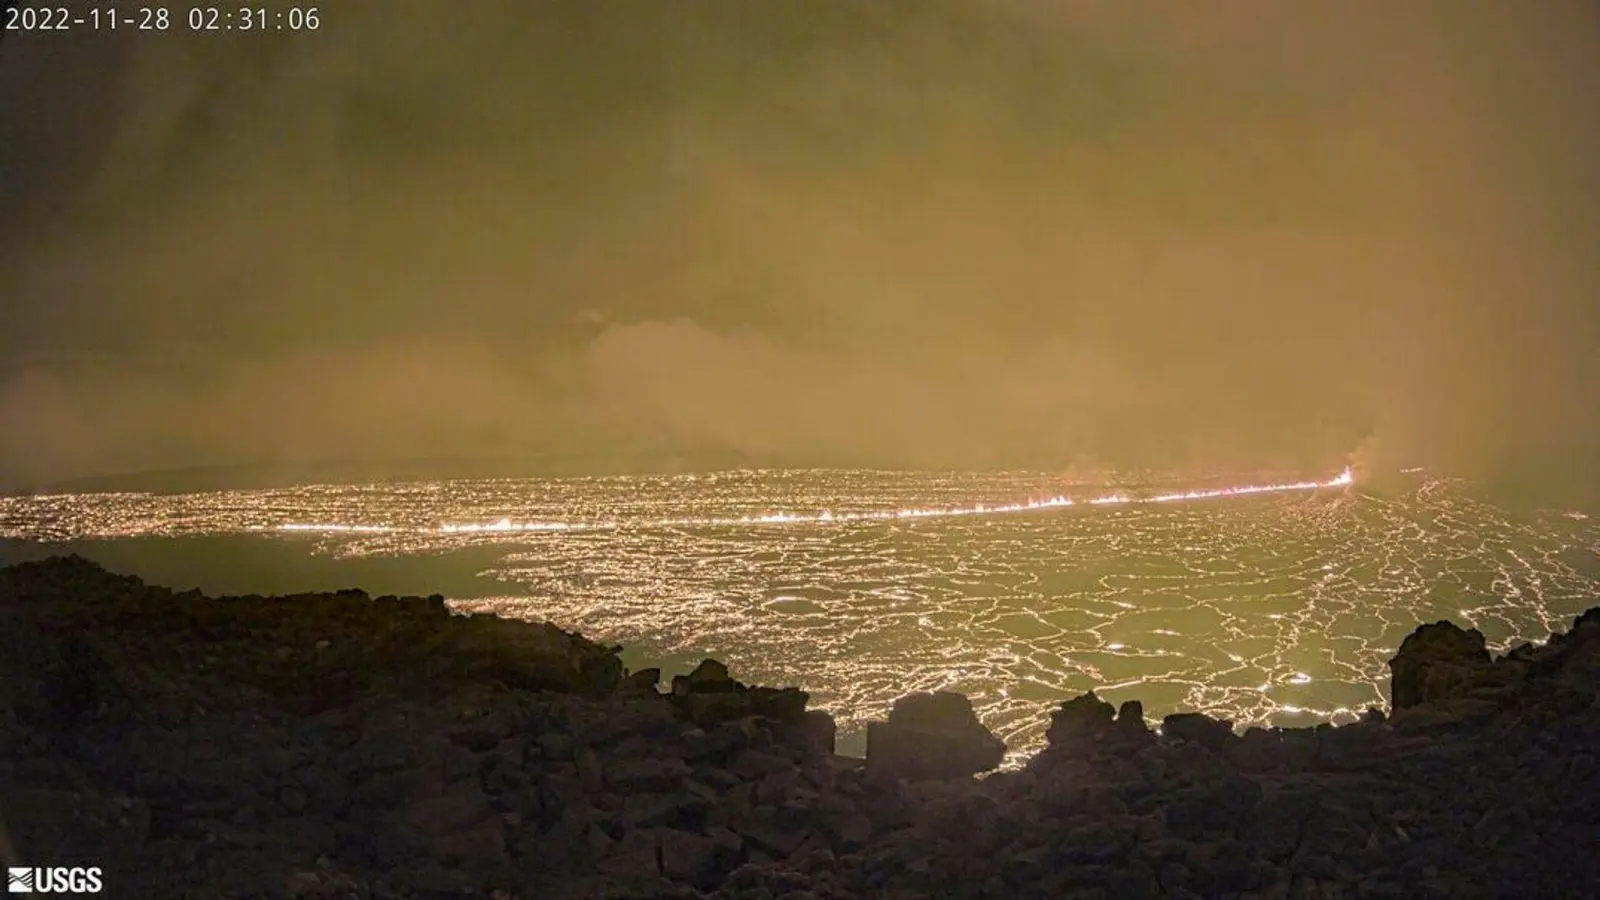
x,y
506,525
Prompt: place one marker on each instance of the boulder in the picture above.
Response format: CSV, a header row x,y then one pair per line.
x,y
643,681
931,737
715,745
707,678
1085,716
1260,750
1130,720
773,830
782,704
813,732
1198,728
753,765
1436,662
525,656
711,709
636,855
709,696
686,856
849,828
649,774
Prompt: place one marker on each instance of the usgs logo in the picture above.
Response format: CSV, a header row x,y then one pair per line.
x,y
55,880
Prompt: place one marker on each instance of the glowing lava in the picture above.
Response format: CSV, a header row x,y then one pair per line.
x,y
828,516
1344,478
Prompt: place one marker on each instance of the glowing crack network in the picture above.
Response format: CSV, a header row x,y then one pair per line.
x,y
828,516
1281,605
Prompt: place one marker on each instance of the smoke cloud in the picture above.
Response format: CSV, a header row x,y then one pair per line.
x,y
971,233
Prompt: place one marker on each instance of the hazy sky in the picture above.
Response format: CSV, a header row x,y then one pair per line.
x,y
974,233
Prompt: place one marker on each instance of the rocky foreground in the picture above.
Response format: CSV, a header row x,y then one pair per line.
x,y
340,746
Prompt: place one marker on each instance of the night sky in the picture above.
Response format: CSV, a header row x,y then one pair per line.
x,y
967,233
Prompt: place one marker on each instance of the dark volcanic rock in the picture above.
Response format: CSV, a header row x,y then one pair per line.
x,y
1130,720
644,681
709,697
707,678
814,733
931,736
686,856
336,745
1436,662
1200,729
530,657
1086,716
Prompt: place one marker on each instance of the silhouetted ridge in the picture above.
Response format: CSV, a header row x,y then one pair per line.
x,y
340,745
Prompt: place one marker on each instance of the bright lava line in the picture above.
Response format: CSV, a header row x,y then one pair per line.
x,y
504,526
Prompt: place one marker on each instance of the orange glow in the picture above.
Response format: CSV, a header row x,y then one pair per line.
x,y
1058,501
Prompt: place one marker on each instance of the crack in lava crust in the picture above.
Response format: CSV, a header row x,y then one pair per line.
x,y
1280,605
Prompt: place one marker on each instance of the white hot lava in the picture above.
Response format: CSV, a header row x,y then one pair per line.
x,y
828,516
